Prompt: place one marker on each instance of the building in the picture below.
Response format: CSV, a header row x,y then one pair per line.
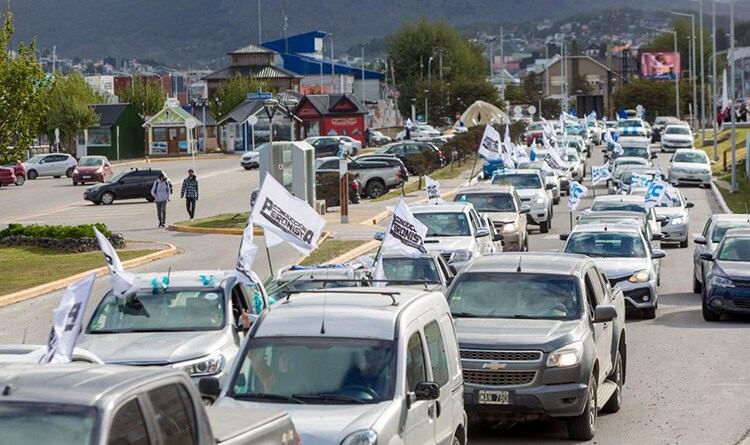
x,y
237,132
119,134
102,85
207,132
172,131
331,114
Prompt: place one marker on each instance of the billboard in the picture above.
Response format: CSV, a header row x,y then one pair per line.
x,y
660,65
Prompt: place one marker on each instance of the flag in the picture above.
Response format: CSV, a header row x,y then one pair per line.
x,y
248,250
575,193
405,234
122,282
410,125
507,152
532,153
519,153
591,117
600,173
489,147
641,180
285,217
553,158
432,188
656,193
67,321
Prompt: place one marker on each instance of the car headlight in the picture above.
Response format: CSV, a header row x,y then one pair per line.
x,y
512,227
539,200
75,171
568,355
210,365
719,281
680,220
363,437
639,277
462,255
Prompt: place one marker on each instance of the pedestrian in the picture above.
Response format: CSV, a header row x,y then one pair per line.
x,y
190,193
162,192
743,113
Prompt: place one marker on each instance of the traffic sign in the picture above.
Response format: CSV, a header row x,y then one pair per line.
x,y
531,110
252,120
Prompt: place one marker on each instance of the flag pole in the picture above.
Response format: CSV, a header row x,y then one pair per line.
x,y
268,255
593,186
570,214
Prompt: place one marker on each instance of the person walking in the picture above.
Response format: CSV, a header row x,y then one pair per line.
x,y
190,192
162,192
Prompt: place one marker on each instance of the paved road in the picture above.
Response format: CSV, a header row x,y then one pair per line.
x,y
688,382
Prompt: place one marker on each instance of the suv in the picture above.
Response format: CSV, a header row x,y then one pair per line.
x,y
503,206
418,157
426,270
355,366
709,238
728,278
377,176
540,335
51,164
550,176
133,184
533,192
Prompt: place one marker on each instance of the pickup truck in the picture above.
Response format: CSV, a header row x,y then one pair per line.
x,y
376,176
540,335
106,404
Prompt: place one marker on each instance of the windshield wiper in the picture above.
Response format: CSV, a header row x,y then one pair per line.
x,y
326,396
267,396
466,315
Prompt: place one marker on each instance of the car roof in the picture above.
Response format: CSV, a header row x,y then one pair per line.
x,y
530,262
510,171
731,217
689,150
613,214
631,159
619,198
322,272
603,227
446,207
185,278
486,188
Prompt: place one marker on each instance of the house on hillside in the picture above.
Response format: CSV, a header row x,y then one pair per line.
x,y
119,134
331,115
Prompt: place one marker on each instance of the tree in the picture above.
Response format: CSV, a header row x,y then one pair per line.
x,y
23,87
232,93
657,97
69,108
145,95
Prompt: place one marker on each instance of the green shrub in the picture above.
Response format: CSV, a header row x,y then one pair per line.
x,y
55,232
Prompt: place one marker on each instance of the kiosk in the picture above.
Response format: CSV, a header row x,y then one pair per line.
x,y
292,163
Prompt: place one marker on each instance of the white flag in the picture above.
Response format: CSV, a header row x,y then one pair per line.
x,y
67,320
507,150
248,250
122,282
285,217
576,192
600,173
637,180
433,191
553,158
406,233
656,193
489,147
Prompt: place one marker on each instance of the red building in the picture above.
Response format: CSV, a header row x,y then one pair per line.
x,y
331,115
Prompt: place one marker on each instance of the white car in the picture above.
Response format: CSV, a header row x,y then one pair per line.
x,y
628,203
50,164
533,191
577,167
250,160
677,213
422,131
676,136
690,166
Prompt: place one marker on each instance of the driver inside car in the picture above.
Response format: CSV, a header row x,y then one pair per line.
x,y
366,373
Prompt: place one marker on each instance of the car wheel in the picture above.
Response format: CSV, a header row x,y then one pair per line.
x,y
247,168
583,427
708,314
375,188
32,174
107,198
697,287
69,172
649,313
683,244
20,180
544,227
75,183
615,401
57,177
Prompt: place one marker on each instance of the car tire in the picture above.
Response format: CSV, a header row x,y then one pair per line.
x,y
615,401
544,226
683,244
107,198
649,313
69,172
20,180
583,427
375,188
32,174
697,286
247,168
708,314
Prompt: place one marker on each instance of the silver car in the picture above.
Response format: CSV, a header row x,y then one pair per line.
x,y
676,214
533,192
689,166
50,164
709,238
625,257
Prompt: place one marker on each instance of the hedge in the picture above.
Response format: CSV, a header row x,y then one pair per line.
x,y
55,232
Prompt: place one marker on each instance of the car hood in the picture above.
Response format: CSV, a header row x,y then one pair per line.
x,y
503,217
494,333
88,169
677,137
620,267
449,243
340,420
528,193
250,155
670,211
152,347
735,270
690,166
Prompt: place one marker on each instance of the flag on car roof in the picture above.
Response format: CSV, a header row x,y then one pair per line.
x,y
600,173
123,282
576,192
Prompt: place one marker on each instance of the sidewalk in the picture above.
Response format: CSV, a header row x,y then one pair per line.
x,y
202,156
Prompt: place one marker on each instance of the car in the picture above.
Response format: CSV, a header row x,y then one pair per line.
x,y
426,271
630,171
19,171
636,219
619,165
534,132
596,129
50,164
634,151
533,192
103,404
541,336
356,366
632,127
707,241
503,206
421,131
659,124
418,157
298,278
576,142
188,320
626,259
132,184
676,211
327,188
376,138
550,176
92,169
629,204
690,166
675,136
27,353
330,145
455,231
7,176
728,277
377,176
577,168
250,160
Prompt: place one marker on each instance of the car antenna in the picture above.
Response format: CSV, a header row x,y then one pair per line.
x,y
323,323
518,269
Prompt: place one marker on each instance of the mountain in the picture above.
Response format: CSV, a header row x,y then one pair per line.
x,y
199,32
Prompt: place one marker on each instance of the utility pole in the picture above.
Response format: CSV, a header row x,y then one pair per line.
x,y
492,55
732,95
363,71
691,61
691,58
333,67
260,35
713,80
703,74
502,65
429,69
441,51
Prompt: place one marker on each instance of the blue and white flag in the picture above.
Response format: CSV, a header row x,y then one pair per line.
x,y
532,153
576,192
637,180
600,174
591,117
656,194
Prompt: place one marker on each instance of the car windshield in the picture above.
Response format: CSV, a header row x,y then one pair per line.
x,y
384,149
519,181
316,370
621,164
445,223
677,130
606,244
160,310
636,152
722,227
693,157
47,423
630,123
411,269
603,206
571,157
90,162
735,249
673,201
515,295
489,202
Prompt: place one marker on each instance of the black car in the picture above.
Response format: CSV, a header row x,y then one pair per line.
x,y
727,287
418,157
133,184
328,146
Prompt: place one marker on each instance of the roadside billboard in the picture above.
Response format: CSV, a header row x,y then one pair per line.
x,y
660,65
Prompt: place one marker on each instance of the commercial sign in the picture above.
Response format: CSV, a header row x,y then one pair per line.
x,y
660,65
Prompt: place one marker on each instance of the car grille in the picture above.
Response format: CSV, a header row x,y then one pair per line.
x,y
498,225
476,354
742,283
742,304
497,378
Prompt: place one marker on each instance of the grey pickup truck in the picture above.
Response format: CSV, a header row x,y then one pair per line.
x,y
540,336
376,174
116,405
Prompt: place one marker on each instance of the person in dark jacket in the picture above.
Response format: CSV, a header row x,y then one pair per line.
x,y
190,192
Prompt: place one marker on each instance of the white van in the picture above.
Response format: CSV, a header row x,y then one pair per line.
x,y
355,366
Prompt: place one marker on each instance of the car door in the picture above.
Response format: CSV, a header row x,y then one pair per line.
x,y
58,165
698,263
128,186
146,183
440,374
45,166
602,331
419,425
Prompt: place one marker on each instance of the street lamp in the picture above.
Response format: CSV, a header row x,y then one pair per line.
x,y
541,96
413,110
732,95
270,106
363,71
692,63
426,96
429,65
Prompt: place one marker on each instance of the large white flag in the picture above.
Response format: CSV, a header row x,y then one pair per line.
x,y
576,192
406,233
489,147
285,217
433,191
656,193
553,158
600,173
67,320
122,282
507,151
248,250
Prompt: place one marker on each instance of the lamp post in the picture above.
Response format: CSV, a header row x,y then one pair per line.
x,y
413,110
429,67
732,95
541,96
713,82
692,60
426,113
333,67
703,73
363,71
270,105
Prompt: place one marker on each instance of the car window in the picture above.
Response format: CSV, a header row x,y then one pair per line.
x,y
174,414
415,364
332,164
444,267
693,157
596,285
733,249
489,201
436,349
128,426
397,150
590,298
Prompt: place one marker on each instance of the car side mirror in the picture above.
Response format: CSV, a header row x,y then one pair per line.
x,y
209,387
427,391
661,218
653,156
549,186
656,237
689,205
379,236
524,209
564,236
604,313
700,240
482,232
453,269
658,254
707,256
497,237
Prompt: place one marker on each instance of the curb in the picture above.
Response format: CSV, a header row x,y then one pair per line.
x,y
176,158
208,230
33,292
719,198
354,253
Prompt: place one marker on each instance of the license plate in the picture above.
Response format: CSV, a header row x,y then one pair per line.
x,y
86,177
494,397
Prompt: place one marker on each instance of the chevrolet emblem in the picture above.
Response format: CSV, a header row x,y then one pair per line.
x,y
494,366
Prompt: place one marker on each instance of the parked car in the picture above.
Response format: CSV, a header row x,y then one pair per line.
x,y
132,184
376,138
7,176
189,320
50,164
533,192
92,169
626,259
676,212
675,136
329,145
250,160
728,276
503,206
421,131
356,366
81,403
707,241
534,132
376,175
541,336
19,171
550,176
418,157
327,188
690,166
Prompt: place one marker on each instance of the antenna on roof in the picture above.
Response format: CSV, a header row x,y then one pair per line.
x,y
323,323
518,269
25,331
